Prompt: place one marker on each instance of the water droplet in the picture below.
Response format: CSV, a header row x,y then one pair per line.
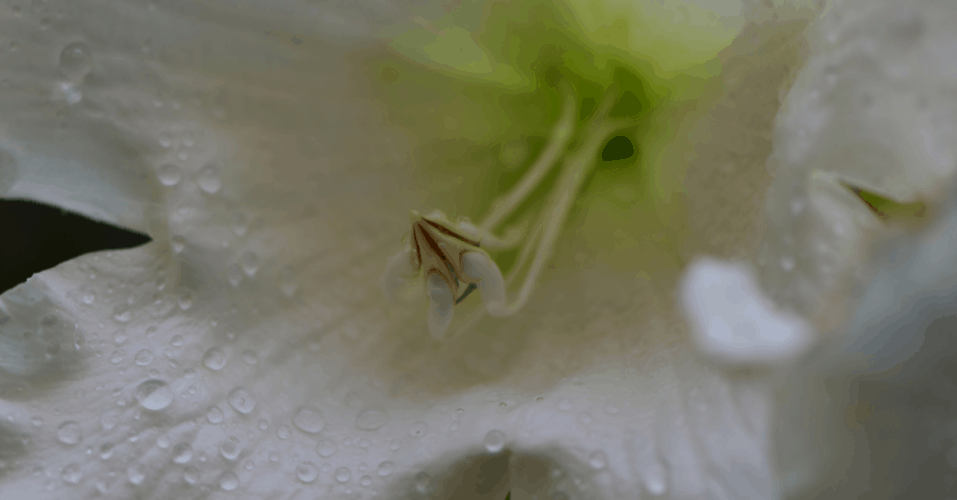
x,y
230,448
250,263
214,415
144,357
119,337
191,475
787,263
117,356
287,282
239,225
229,481
307,472
273,456
72,474
135,474
109,420
422,482
76,61
343,474
182,453
214,359
169,174
283,432
250,357
234,274
309,419
386,468
184,299
106,451
418,429
162,441
371,419
325,448
597,459
249,465
69,433
208,180
263,424
177,341
495,441
122,313
365,481
242,400
611,408
153,395
584,417
565,404
178,243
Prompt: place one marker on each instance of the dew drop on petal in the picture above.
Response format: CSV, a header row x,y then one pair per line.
x,y
386,468
495,441
214,415
109,420
177,341
309,419
263,424
371,419
597,459
143,357
135,474
273,456
153,395
234,274
250,263
170,175
229,481
208,180
241,400
365,481
250,357
191,475
230,448
72,474
307,472
106,451
178,243
214,359
343,474
162,441
76,61
418,429
325,448
422,482
182,453
283,432
69,433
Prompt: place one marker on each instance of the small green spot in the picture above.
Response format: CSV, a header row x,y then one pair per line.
x,y
618,148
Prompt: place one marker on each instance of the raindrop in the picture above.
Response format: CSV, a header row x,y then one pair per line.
x,y
495,441
69,433
249,465
422,482
283,432
76,61
263,424
182,453
177,341
135,474
162,441
597,459
273,456
611,408
250,357
144,357
214,415
208,180
109,420
386,468
287,282
214,359
418,429
72,474
250,263
242,400
365,481
325,448
36,421
230,448
239,225
307,472
191,475
309,419
787,263
119,337
153,395
343,474
184,300
169,174
229,481
178,243
122,313
371,419
117,356
106,451
234,274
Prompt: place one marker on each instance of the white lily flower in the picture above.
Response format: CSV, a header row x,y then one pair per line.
x,y
272,151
